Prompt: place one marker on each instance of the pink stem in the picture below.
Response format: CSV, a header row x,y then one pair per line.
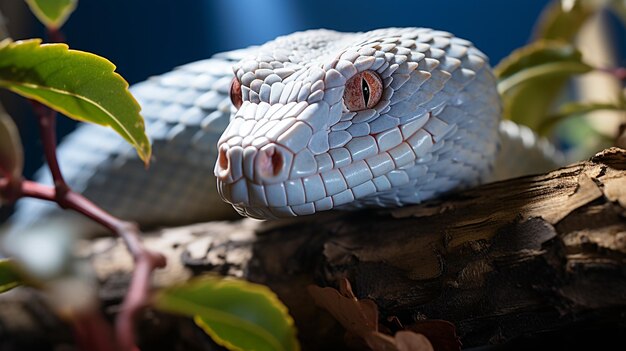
x,y
90,328
146,261
55,35
92,332
47,132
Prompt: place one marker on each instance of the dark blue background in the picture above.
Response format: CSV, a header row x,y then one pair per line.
x,y
148,37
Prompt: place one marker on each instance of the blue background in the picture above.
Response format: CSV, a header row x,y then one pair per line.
x,y
148,37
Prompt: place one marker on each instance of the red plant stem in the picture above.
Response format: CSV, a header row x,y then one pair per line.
x,y
92,332
146,261
55,35
90,329
47,132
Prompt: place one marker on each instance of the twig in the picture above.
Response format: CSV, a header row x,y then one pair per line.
x,y
55,35
47,132
92,332
146,261
89,335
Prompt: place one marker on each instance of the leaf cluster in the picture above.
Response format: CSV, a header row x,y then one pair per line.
x,y
532,79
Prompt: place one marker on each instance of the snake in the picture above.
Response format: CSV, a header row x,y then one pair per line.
x,y
312,121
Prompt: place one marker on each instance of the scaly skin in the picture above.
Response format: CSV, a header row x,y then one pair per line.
x,y
434,130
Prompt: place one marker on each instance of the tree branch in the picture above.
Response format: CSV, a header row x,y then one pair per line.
x,y
503,260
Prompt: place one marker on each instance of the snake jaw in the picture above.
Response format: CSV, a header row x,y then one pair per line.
x,y
294,148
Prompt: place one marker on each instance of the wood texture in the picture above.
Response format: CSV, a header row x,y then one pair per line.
x,y
512,258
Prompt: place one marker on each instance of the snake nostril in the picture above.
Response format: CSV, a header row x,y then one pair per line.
x,y
222,159
277,162
270,162
222,167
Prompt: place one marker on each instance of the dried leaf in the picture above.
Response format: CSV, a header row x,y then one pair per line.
x,y
407,340
441,334
360,318
357,316
404,340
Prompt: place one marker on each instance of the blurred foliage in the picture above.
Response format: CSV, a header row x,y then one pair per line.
x,y
532,77
11,153
9,276
533,80
562,19
52,13
561,22
570,109
237,314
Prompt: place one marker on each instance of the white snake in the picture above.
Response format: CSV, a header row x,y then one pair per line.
x,y
323,120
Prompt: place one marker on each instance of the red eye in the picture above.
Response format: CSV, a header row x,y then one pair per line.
x,y
235,93
363,91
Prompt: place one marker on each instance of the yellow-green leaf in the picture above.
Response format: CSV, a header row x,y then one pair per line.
x,y
575,109
532,77
237,314
11,153
52,13
78,84
561,20
9,276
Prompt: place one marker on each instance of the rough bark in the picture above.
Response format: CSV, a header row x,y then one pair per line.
x,y
506,259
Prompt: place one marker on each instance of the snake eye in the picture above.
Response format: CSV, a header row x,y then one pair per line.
x,y
363,91
235,93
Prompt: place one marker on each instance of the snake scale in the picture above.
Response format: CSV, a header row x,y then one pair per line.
x,y
308,122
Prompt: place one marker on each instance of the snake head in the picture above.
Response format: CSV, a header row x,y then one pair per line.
x,y
325,120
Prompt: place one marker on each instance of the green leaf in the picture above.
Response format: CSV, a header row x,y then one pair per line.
x,y
563,19
11,152
78,84
532,77
52,13
574,109
9,276
237,314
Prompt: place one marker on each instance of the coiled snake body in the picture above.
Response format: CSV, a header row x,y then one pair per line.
x,y
312,121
